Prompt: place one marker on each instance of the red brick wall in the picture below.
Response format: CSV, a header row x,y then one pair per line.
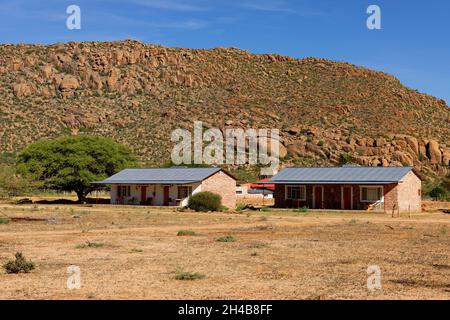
x,y
282,202
393,195
223,185
279,196
332,196
390,197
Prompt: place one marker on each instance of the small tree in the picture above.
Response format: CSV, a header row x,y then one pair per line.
x,y
73,163
205,201
345,159
13,184
438,193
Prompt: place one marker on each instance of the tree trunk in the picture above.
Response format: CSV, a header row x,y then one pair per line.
x,y
81,196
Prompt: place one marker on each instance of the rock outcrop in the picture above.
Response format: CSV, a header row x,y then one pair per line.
x,y
23,89
327,111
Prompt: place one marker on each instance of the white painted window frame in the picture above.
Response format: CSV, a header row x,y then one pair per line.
x,y
293,185
189,193
371,187
128,189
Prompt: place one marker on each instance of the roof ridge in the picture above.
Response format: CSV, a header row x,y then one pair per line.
x,y
347,167
170,168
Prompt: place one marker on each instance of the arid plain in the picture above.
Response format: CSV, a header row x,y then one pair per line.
x,y
135,253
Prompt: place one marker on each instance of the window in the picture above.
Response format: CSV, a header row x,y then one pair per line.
x,y
184,192
371,194
123,191
296,193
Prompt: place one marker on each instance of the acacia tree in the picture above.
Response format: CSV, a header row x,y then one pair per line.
x,y
73,163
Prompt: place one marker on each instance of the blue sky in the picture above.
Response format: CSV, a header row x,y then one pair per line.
x,y
413,44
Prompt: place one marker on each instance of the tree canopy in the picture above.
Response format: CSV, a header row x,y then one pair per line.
x,y
73,163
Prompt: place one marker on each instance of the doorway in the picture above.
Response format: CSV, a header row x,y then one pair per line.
x,y
318,198
347,198
143,195
166,195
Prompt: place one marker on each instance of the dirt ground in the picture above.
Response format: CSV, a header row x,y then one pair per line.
x,y
276,255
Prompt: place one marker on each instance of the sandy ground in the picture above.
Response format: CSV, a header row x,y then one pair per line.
x,y
276,255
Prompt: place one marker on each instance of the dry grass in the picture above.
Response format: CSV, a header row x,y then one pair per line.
x,y
283,256
255,201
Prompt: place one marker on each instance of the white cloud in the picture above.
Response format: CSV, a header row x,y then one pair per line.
x,y
270,5
176,5
276,6
190,24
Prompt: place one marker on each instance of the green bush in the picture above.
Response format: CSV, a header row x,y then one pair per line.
x,y
241,207
182,233
4,220
257,245
228,238
438,193
345,159
19,265
205,201
183,275
13,184
89,244
302,209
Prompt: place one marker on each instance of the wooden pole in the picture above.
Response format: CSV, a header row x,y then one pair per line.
x,y
263,195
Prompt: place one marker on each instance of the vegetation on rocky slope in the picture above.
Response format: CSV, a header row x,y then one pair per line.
x,y
137,94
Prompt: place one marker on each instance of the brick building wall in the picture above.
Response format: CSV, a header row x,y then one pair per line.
x,y
390,197
223,185
282,202
331,197
409,193
404,196
279,196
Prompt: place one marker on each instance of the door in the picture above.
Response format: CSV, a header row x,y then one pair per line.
x,y
166,195
143,195
347,198
318,199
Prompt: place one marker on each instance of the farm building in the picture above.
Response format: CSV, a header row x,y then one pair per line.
x,y
349,188
169,186
256,190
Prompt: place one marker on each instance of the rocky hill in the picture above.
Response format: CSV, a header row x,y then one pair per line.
x,y
327,111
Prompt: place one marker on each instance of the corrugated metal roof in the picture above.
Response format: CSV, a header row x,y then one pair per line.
x,y
259,191
160,176
339,175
